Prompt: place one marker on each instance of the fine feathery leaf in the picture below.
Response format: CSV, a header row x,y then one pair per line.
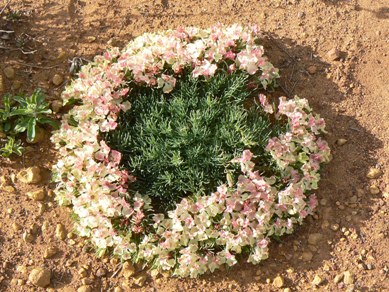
x,y
181,144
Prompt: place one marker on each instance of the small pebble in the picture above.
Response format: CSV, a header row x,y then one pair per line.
x,y
9,189
40,277
333,54
38,195
348,278
114,261
50,193
341,142
128,270
16,84
22,269
84,288
140,280
27,237
34,229
335,227
325,224
278,282
61,54
60,232
374,190
353,199
14,282
9,72
50,252
57,79
312,69
101,272
338,278
306,256
82,273
374,173
31,175
317,280
90,39
20,282
42,208
45,226
326,267
362,266
56,105
3,180
16,226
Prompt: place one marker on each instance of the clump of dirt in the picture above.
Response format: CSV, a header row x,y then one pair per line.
x,y
333,53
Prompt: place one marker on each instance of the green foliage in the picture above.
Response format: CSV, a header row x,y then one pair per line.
x,y
11,147
14,15
32,110
5,114
181,144
22,114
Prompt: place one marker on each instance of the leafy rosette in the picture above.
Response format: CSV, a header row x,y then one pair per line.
x,y
201,233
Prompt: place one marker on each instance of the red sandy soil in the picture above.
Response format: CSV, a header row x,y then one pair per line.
x,y
351,93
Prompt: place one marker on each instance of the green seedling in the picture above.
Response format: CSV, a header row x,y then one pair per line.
x,y
11,147
5,114
31,111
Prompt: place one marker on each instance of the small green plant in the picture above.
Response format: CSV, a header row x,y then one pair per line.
x,y
14,15
181,144
21,114
5,114
11,147
32,110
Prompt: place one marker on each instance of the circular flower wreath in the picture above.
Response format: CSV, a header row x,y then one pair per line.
x,y
203,233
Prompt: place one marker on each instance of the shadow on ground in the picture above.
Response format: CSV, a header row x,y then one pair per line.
x,y
343,179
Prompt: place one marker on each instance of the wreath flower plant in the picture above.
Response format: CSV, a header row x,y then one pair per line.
x,y
203,232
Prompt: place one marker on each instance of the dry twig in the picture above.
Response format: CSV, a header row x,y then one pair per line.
x,y
19,49
37,67
117,271
6,31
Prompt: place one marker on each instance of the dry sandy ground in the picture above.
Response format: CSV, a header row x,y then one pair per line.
x,y
351,93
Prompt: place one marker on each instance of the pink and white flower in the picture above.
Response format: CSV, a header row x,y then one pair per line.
x,y
239,216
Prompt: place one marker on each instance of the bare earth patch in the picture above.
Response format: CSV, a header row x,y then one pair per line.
x,y
334,53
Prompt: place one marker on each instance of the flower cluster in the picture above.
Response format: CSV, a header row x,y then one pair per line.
x,y
201,233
